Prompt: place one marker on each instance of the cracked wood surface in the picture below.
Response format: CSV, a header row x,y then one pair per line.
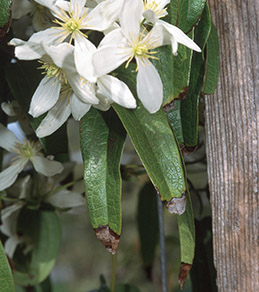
x,y
232,130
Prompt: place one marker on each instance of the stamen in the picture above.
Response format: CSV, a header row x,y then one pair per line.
x,y
155,7
51,70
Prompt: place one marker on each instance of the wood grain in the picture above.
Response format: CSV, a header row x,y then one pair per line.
x,y
232,130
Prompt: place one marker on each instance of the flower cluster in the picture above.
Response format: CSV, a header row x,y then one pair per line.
x,y
76,69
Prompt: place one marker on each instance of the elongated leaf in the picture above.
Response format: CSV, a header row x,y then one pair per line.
x,y
212,62
189,106
155,144
6,279
174,71
43,227
188,13
148,225
102,142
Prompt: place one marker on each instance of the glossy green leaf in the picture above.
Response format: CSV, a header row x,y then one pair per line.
x,y
102,142
212,62
203,272
188,13
189,106
5,12
43,227
6,279
174,71
174,119
154,142
187,232
147,219
23,78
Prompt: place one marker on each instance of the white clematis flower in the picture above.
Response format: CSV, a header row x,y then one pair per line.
x,y
24,153
130,42
153,10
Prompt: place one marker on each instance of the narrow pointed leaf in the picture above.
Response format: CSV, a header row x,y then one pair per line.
x,y
189,106
6,279
188,13
212,62
102,142
155,144
43,227
148,225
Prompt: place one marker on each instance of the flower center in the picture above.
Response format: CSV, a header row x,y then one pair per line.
x,y
51,70
72,25
140,49
27,150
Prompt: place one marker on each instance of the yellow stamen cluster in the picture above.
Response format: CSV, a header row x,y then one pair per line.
x,y
155,7
71,23
141,49
27,150
51,70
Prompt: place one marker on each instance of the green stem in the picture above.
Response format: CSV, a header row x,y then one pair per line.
x,y
114,268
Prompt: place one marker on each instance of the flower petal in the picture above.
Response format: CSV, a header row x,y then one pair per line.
x,y
115,37
66,199
45,96
78,108
149,87
46,166
116,90
11,244
63,56
108,58
21,8
55,118
83,57
9,175
8,139
130,18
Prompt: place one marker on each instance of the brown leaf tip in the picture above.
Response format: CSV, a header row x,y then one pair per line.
x,y
108,237
184,271
176,205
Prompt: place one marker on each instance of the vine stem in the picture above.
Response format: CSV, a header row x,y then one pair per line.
x,y
162,244
114,269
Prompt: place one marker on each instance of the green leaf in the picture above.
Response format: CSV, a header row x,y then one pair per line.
x,y
188,13
212,62
203,272
174,71
189,106
187,232
102,142
174,119
6,279
154,142
4,12
147,219
43,227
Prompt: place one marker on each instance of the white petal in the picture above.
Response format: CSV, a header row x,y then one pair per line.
x,y
55,118
47,3
21,8
83,57
149,87
8,109
115,37
108,58
8,139
63,56
116,90
8,211
104,102
46,166
11,244
78,108
150,16
45,96
77,5
66,199
9,223
9,175
130,18
83,89
179,36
